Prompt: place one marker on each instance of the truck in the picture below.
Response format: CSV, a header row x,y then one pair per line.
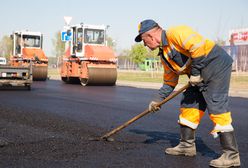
x,y
15,76
27,49
87,59
3,61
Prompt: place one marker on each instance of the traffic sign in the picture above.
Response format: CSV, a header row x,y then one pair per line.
x,y
65,36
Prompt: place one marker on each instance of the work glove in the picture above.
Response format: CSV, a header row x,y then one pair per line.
x,y
153,106
194,80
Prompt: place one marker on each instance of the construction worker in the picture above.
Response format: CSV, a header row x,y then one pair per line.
x,y
208,66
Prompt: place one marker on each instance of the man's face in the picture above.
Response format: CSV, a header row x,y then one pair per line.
x,y
149,40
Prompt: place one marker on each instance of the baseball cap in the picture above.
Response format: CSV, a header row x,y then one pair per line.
x,y
145,26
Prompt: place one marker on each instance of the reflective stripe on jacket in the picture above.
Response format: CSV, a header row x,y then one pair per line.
x,y
184,52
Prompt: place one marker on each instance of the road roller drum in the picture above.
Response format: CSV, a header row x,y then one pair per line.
x,y
39,73
100,76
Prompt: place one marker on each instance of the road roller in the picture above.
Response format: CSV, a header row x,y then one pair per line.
x,y
27,49
88,59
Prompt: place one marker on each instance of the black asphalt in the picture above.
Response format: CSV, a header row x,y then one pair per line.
x,y
50,125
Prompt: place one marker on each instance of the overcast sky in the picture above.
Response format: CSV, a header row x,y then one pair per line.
x,y
211,18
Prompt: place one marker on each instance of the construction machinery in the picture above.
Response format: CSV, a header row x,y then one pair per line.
x,y
27,48
15,76
87,57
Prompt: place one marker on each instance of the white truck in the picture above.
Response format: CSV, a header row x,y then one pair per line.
x,y
15,76
3,61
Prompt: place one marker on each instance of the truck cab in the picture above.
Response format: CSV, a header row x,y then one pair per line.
x,y
83,35
26,39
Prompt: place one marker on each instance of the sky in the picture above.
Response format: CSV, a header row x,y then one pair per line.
x,y
211,18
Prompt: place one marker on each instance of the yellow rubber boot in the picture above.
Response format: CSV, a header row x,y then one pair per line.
x,y
230,156
186,146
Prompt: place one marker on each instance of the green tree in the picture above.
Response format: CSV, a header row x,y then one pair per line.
x,y
111,43
124,60
153,53
6,46
138,53
58,45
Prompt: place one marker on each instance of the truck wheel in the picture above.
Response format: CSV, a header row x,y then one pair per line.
x,y
65,79
28,87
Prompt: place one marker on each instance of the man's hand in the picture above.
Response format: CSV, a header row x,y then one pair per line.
x,y
153,106
194,80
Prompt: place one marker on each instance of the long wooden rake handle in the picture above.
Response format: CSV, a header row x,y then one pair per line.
x,y
171,96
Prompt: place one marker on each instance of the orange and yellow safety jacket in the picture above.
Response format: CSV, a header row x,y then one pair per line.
x,y
183,51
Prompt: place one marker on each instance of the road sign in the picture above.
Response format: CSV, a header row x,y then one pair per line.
x,y
65,36
239,36
67,19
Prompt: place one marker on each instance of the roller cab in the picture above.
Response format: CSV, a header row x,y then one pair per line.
x,y
88,60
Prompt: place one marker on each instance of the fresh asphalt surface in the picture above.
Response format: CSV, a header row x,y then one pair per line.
x,y
50,127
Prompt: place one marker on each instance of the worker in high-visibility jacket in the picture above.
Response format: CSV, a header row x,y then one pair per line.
x,y
208,66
